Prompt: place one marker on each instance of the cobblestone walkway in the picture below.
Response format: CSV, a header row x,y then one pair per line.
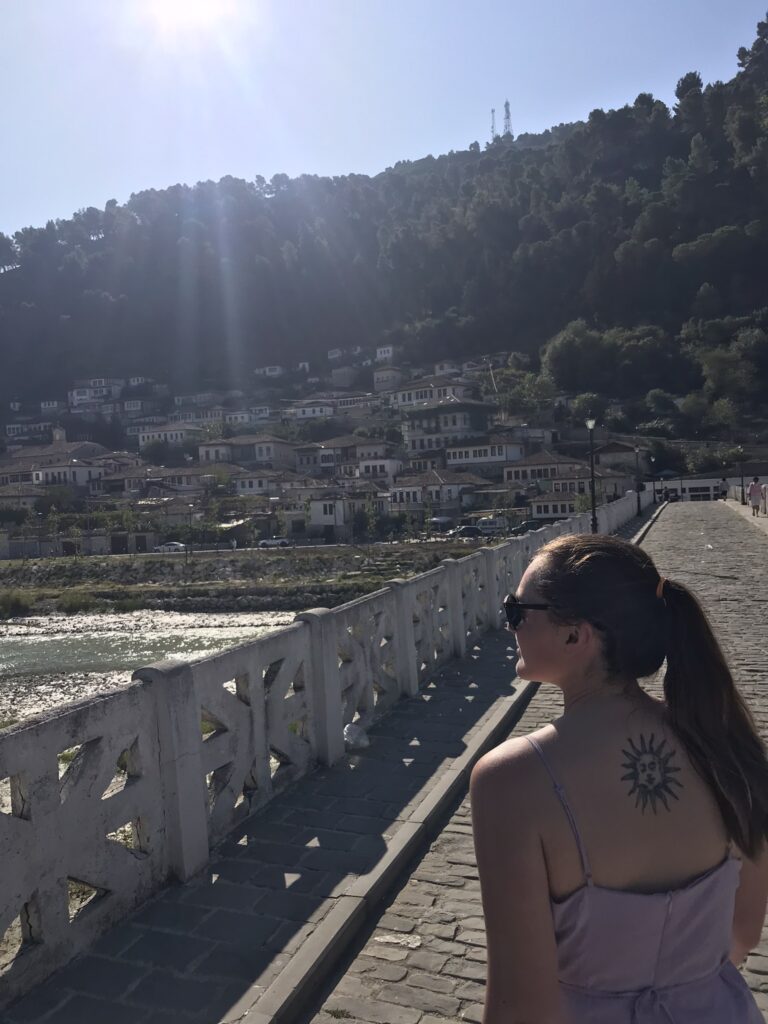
x,y
424,962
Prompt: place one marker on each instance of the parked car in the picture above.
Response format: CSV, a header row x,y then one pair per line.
x,y
170,547
468,532
521,528
274,542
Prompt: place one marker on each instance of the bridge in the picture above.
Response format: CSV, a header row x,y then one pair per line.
x,y
207,851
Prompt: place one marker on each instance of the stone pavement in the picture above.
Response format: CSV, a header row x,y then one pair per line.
x,y
424,961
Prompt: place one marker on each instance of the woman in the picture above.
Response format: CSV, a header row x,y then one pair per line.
x,y
621,849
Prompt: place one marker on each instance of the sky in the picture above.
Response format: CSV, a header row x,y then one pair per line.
x,y
103,98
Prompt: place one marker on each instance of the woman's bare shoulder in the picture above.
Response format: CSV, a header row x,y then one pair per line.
x,y
511,767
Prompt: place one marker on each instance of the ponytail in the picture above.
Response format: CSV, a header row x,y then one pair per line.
x,y
713,721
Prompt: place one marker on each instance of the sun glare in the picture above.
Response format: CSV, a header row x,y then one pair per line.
x,y
188,21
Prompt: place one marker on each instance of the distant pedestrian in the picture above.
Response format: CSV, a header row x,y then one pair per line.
x,y
764,499
755,494
724,489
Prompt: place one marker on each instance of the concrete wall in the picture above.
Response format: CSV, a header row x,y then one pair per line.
x,y
153,775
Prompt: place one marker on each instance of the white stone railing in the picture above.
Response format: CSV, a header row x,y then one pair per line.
x,y
157,773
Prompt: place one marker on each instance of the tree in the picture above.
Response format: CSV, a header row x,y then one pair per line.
x,y
661,403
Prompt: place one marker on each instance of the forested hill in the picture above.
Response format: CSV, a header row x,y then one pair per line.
x,y
639,216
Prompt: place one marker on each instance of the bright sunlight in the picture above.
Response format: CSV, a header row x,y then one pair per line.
x,y
189,22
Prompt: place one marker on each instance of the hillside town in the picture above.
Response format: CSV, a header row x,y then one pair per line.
x,y
427,451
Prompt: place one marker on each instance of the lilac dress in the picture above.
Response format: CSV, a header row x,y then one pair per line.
x,y
649,958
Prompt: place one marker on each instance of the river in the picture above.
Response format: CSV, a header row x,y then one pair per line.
x,y
50,660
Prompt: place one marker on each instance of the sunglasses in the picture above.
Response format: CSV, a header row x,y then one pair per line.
x,y
515,610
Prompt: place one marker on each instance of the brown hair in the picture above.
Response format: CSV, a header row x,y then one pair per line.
x,y
613,585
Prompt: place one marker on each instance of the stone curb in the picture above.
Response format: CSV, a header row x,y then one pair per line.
x,y
640,536
298,982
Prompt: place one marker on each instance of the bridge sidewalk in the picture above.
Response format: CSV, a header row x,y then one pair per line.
x,y
424,960
291,883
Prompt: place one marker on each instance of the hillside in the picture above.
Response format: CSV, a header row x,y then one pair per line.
x,y
649,225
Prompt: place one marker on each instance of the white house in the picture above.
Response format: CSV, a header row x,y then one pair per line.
x,y
171,433
69,472
252,482
334,353
432,389
269,371
309,409
380,469
541,466
444,492
385,353
50,406
546,507
386,378
484,454
94,389
437,424
447,368
333,514
29,429
260,412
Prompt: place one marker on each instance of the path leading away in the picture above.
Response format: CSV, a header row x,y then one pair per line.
x,y
424,962
296,883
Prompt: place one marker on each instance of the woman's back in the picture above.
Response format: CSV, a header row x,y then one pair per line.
x,y
641,881
648,820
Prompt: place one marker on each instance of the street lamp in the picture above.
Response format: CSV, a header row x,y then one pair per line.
x,y
590,422
741,467
653,475
637,477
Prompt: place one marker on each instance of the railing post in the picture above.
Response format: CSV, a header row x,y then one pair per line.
x,y
181,770
324,688
493,612
407,671
455,606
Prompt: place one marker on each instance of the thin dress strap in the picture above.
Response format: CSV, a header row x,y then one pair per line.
x,y
567,808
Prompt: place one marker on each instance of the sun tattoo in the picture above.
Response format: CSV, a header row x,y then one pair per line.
x,y
650,772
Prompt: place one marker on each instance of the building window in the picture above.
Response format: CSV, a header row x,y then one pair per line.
x,y
539,509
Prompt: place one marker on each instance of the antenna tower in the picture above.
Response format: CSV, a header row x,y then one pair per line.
x,y
493,123
507,119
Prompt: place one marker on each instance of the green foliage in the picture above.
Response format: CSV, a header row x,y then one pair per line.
x,y
14,603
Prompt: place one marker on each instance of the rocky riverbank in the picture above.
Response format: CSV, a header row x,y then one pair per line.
x,y
251,580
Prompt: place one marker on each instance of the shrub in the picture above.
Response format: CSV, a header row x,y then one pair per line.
x,y
73,602
14,603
